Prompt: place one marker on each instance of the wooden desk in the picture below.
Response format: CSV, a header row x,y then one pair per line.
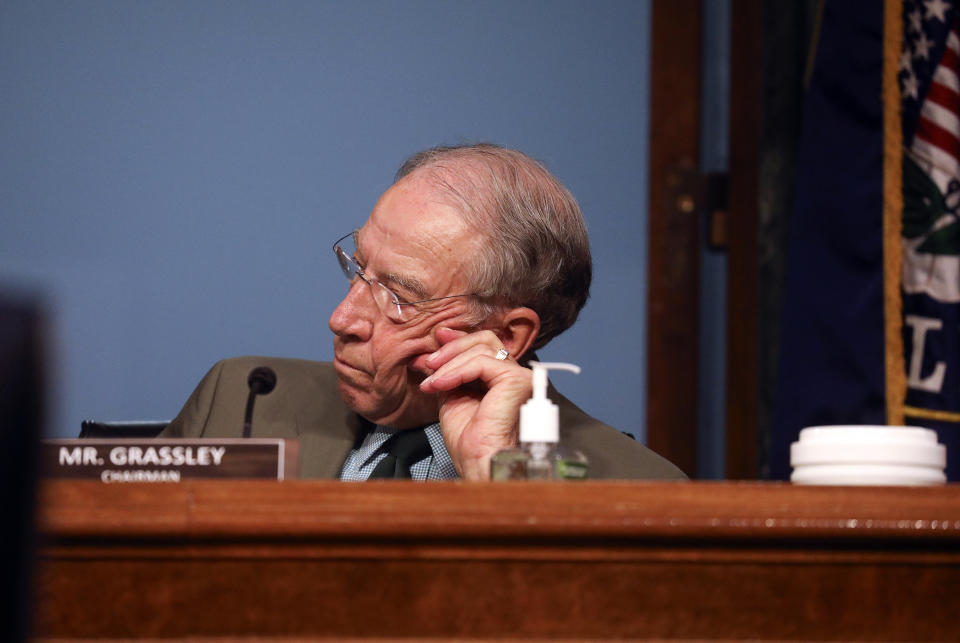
x,y
725,561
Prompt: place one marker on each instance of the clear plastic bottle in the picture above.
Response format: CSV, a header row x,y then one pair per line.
x,y
539,456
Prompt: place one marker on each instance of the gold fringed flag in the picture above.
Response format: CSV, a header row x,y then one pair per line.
x,y
923,106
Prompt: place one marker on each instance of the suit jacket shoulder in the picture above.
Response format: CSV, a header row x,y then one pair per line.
x,y
304,405
612,454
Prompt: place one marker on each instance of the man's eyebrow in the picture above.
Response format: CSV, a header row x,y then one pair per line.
x,y
409,284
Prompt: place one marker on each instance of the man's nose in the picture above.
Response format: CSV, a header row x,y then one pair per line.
x,y
353,317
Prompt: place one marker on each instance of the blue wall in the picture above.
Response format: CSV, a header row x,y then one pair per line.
x,y
172,174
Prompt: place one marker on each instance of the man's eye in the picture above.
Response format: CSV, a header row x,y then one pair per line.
x,y
402,299
397,290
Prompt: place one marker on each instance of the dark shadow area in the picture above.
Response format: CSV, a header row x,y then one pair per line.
x,y
22,414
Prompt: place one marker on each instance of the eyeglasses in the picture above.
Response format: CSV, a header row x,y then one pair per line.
x,y
391,305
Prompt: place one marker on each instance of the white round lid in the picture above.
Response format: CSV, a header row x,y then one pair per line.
x,y
852,444
867,474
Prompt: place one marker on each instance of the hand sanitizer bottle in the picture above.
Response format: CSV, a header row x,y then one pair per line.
x,y
539,457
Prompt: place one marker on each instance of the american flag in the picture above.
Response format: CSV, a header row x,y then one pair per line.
x,y
929,78
930,88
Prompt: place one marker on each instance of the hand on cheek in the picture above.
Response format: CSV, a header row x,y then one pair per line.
x,y
480,397
434,361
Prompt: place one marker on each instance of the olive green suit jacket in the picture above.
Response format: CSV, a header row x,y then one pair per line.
x,y
306,406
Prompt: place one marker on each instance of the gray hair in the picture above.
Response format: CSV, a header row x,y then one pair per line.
x,y
536,252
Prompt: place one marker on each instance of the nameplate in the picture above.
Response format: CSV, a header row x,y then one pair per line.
x,y
168,460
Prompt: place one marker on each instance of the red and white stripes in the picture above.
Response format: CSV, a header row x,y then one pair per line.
x,y
937,140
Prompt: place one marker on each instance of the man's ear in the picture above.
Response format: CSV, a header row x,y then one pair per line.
x,y
518,328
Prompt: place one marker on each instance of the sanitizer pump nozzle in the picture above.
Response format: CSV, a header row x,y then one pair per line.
x,y
539,417
539,457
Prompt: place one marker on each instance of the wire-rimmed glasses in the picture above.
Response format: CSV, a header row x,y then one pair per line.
x,y
390,304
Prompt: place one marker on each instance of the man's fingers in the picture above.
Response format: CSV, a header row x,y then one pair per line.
x,y
445,334
475,363
458,342
427,363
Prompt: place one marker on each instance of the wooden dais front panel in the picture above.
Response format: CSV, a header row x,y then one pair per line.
x,y
722,561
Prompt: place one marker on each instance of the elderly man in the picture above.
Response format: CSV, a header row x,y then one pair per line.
x,y
475,257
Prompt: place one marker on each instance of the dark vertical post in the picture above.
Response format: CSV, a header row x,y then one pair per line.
x,y
742,269
674,233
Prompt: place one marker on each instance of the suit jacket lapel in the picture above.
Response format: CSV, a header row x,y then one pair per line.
x,y
322,453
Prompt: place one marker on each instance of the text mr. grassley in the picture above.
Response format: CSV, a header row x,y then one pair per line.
x,y
138,456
